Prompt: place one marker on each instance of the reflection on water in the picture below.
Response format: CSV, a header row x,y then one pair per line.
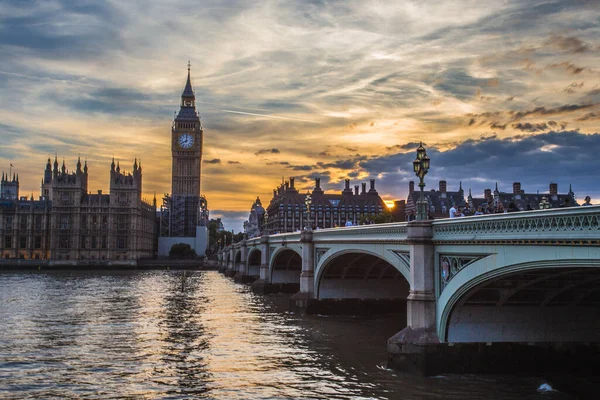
x,y
170,334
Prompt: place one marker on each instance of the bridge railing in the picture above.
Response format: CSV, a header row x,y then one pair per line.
x,y
552,226
390,232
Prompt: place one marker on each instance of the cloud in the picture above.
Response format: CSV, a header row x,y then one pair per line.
x,y
530,127
300,167
233,162
551,111
569,67
278,163
350,163
267,151
590,117
571,44
213,161
406,146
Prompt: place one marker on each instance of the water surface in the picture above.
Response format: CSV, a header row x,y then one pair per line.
x,y
163,334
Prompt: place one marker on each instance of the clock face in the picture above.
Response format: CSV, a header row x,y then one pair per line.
x,y
186,140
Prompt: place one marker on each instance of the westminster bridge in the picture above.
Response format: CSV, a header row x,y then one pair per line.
x,y
481,293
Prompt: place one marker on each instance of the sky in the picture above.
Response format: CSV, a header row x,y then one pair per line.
x,y
498,91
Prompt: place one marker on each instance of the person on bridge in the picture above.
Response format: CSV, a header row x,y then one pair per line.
x,y
452,212
587,201
348,223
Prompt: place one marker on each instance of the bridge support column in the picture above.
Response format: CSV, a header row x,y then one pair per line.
x,y
410,348
220,261
301,300
230,270
264,279
242,274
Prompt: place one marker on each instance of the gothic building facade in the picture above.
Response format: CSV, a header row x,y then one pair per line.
x,y
287,211
24,223
68,223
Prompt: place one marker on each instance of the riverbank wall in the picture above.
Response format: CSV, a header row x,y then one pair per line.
x,y
6,264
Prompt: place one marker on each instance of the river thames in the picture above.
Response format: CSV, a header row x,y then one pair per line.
x,y
163,334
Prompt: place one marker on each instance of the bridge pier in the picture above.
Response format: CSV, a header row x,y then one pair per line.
x,y
263,284
301,301
413,347
242,275
230,269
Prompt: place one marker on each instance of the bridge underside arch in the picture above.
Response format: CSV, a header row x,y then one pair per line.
x,y
356,275
254,262
286,267
552,304
238,257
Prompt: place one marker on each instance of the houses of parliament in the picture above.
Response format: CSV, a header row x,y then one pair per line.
x,y
68,224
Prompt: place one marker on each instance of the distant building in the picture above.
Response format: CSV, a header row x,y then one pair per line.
x,y
287,209
253,227
219,224
68,223
24,223
522,200
440,201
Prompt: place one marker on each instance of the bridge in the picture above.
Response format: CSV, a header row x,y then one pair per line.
x,y
481,293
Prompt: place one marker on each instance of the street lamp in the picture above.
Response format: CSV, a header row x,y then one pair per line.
x,y
544,204
307,202
421,166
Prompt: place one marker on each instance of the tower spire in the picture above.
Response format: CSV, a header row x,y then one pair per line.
x,y
188,92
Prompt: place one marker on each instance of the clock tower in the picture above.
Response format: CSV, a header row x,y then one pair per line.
x,y
186,145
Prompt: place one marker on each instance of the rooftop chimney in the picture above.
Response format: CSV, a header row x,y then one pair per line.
x,y
274,192
553,189
99,192
292,183
372,189
517,188
317,183
487,193
364,188
442,186
347,186
356,190
411,186
287,185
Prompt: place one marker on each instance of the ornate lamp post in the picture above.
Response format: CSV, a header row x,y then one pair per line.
x,y
544,204
307,202
421,166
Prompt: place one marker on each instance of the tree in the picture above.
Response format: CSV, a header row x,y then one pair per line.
x,y
382,218
182,251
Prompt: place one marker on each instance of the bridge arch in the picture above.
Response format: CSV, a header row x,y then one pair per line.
x,y
253,261
285,265
544,300
237,257
360,273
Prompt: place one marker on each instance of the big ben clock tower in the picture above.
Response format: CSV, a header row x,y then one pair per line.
x,y
186,145
184,214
